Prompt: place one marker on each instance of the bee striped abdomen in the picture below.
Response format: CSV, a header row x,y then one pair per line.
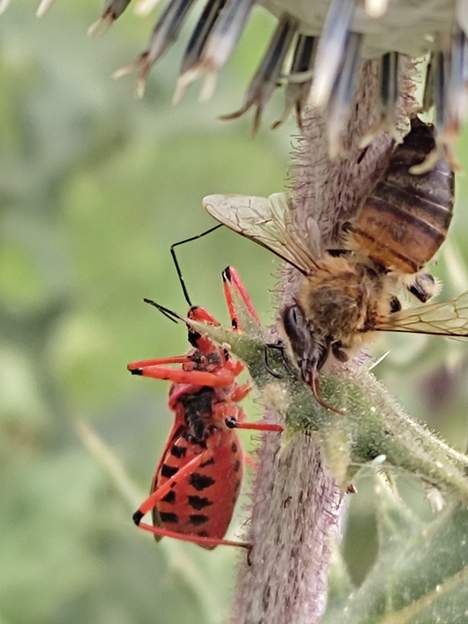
x,y
405,219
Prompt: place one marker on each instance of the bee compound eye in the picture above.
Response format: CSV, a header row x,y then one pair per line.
x,y
292,316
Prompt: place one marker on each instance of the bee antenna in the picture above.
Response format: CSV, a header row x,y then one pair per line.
x,y
170,314
176,262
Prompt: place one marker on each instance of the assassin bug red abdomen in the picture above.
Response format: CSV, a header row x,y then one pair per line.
x,y
198,479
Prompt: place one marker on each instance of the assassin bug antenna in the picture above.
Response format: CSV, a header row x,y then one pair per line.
x,y
170,314
176,262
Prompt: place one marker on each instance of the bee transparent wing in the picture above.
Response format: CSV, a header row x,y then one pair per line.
x,y
268,222
449,318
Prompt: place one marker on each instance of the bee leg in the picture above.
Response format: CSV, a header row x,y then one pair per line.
x,y
177,375
232,422
272,372
423,286
279,346
338,351
231,280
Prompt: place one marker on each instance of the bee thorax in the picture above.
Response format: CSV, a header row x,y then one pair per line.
x,y
340,300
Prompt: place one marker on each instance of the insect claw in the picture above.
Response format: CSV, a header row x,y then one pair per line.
x,y
136,371
249,554
137,517
272,372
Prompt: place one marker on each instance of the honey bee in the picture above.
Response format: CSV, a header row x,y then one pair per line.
x,y
347,295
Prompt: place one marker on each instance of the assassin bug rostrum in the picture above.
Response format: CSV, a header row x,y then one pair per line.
x,y
198,478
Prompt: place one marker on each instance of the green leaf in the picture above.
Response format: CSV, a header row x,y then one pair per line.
x,y
421,571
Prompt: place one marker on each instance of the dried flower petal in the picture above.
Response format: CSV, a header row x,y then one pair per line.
x,y
343,93
388,97
144,7
113,9
299,80
266,77
195,49
4,5
331,50
222,41
43,7
163,36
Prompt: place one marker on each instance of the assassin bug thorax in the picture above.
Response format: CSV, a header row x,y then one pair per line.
x,y
198,478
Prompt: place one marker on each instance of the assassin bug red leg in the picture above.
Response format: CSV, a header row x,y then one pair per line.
x,y
198,478
231,279
199,378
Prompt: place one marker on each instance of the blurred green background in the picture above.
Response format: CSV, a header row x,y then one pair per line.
x,y
94,187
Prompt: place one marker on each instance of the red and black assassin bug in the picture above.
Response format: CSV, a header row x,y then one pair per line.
x,y
198,478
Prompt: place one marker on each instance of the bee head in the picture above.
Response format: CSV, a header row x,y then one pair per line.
x,y
309,349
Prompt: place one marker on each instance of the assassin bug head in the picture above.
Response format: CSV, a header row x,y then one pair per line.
x,y
197,340
195,313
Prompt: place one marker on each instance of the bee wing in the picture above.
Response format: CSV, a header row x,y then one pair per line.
x,y
268,222
449,318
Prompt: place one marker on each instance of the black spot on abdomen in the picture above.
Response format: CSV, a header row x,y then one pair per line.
x,y
200,482
178,451
198,502
170,497
167,516
168,471
198,519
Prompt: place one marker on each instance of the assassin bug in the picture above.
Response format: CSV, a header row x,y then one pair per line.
x,y
198,478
